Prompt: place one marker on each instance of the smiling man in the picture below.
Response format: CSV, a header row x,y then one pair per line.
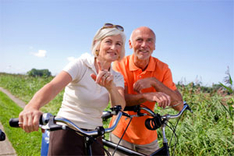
x,y
148,81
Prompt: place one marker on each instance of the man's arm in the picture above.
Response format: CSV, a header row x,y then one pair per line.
x,y
164,95
133,99
176,97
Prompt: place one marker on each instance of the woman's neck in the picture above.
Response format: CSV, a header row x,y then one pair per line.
x,y
104,65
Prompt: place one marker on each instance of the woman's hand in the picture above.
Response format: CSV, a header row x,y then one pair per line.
x,y
29,119
103,78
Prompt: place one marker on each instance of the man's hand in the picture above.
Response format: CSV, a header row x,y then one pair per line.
x,y
161,98
142,84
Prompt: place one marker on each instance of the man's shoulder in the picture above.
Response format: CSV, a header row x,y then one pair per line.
x,y
159,62
121,65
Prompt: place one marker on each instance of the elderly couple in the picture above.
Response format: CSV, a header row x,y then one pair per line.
x,y
91,82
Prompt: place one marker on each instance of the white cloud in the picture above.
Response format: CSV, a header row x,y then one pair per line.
x,y
40,53
84,55
70,59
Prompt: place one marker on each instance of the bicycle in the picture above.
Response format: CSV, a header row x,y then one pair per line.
x,y
49,122
2,135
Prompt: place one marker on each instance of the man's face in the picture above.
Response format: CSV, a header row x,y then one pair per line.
x,y
143,43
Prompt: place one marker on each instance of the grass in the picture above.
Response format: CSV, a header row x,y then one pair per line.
x,y
206,131
25,144
24,87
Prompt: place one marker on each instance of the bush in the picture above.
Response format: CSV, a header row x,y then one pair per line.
x,y
41,73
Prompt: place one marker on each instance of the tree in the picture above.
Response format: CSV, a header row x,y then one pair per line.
x,y
39,72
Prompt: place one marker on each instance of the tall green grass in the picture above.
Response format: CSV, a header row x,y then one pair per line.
x,y
24,87
25,144
206,131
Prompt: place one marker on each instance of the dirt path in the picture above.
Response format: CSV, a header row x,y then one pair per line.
x,y
13,98
6,148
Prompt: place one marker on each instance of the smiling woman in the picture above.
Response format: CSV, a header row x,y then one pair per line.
x,y
87,80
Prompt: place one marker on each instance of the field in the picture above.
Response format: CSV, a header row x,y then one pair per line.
x,y
209,130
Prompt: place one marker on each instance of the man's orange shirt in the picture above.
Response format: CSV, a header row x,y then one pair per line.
x,y
137,133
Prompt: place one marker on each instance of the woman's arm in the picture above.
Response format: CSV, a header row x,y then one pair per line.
x,y
105,79
29,117
117,97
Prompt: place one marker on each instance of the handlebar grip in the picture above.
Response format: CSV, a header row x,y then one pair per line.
x,y
106,115
14,122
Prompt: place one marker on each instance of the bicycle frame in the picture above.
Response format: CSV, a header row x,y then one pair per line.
x,y
161,151
48,122
164,150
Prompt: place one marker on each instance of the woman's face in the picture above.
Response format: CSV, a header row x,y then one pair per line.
x,y
110,48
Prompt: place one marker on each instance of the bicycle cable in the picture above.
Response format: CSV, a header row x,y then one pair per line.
x,y
95,140
122,136
106,151
173,129
154,122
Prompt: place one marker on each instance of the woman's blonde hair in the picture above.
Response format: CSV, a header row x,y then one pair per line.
x,y
103,33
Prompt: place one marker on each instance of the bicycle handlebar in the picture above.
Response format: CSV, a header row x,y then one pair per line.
x,y
14,122
157,120
97,131
186,107
49,122
137,109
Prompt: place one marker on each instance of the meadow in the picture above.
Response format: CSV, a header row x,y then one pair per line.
x,y
209,130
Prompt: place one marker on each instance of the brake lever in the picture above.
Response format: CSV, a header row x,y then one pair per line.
x,y
50,125
188,107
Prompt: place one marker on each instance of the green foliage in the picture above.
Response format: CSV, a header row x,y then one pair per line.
x,y
206,131
229,82
229,105
24,87
41,73
24,143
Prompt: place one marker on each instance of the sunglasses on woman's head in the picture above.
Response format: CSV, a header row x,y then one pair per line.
x,y
110,25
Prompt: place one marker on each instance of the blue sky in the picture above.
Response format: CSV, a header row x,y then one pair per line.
x,y
195,38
